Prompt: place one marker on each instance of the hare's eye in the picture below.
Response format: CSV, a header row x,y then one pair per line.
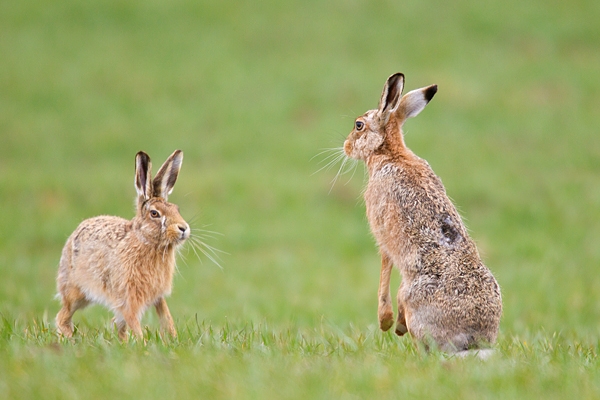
x,y
359,125
154,214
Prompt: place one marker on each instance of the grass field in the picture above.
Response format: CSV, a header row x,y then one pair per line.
x,y
252,92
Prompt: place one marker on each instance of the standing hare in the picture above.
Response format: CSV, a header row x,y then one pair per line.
x,y
447,298
126,265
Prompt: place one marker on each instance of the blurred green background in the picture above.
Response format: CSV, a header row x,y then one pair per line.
x,y
252,92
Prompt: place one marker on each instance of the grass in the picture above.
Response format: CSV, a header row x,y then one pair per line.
x,y
255,360
252,92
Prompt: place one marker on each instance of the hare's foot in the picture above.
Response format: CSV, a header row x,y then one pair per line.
x,y
64,325
386,318
72,300
121,326
166,321
401,328
136,332
127,317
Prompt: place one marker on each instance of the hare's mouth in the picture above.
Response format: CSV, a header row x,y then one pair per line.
x,y
348,148
184,235
178,235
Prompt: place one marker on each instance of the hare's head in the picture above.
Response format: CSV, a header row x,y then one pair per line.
x,y
157,220
377,131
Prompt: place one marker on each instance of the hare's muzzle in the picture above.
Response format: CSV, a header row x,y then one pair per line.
x,y
347,147
184,231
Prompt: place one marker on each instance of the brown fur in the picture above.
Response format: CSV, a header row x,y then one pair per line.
x,y
126,265
448,298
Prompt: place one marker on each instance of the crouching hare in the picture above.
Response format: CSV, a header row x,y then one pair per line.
x,y
126,265
448,298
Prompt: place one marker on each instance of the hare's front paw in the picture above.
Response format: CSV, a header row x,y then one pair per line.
x,y
172,331
64,331
64,326
386,319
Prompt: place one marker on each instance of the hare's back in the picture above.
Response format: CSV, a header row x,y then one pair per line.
x,y
98,237
105,229
91,250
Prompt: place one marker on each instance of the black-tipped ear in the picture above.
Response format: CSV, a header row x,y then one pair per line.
x,y
143,170
167,175
430,92
414,102
391,95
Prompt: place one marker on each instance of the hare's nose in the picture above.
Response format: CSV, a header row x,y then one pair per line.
x,y
185,231
182,228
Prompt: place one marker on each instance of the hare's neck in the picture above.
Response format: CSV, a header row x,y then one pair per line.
x,y
150,246
379,161
392,151
159,257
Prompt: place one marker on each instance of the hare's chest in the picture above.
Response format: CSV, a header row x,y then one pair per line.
x,y
384,211
163,279
152,281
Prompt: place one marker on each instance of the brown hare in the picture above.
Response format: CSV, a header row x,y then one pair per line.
x,y
448,298
126,265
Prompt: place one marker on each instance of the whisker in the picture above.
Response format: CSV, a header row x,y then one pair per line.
x,y
207,246
327,150
354,168
345,160
207,250
351,163
193,246
207,231
331,160
204,236
331,150
332,157
329,165
210,256
182,257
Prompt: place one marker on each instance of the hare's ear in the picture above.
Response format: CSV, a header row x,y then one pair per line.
x,y
414,102
143,170
390,97
167,175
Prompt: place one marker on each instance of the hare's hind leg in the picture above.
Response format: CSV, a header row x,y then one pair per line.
x,y
166,321
72,299
384,309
